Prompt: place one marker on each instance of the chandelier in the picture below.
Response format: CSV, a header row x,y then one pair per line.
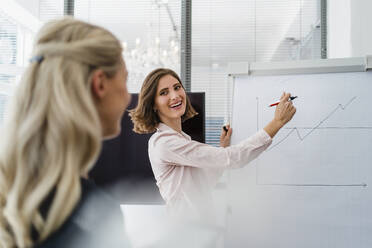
x,y
150,54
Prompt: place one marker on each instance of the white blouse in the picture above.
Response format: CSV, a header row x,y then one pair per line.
x,y
186,171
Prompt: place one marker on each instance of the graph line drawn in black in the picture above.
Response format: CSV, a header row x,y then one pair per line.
x,y
311,130
301,138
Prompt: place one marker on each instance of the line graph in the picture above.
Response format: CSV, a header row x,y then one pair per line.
x,y
312,129
302,137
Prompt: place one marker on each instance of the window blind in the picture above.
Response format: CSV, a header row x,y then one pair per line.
x,y
19,22
246,30
8,48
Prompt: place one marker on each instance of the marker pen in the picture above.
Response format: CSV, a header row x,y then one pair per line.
x,y
290,98
225,128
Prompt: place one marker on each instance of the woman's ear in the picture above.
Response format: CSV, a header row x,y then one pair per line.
x,y
98,83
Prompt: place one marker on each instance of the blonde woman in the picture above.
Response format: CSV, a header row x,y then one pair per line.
x,y
186,170
71,96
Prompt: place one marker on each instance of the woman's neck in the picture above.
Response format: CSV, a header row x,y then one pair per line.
x,y
175,124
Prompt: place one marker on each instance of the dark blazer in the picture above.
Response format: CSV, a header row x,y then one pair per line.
x,y
96,222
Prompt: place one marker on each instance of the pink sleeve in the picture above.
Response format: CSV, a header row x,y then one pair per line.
x,y
184,152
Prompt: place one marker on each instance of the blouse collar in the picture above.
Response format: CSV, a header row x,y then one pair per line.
x,y
164,127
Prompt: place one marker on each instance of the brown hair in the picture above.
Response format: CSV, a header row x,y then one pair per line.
x,y
144,118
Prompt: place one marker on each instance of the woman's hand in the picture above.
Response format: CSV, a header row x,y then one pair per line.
x,y
283,114
285,109
225,136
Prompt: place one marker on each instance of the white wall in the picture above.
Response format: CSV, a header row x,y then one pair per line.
x,y
339,29
349,28
361,23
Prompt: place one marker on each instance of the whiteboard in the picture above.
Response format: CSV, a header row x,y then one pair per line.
x,y
311,188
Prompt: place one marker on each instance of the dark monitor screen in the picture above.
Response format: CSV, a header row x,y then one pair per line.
x,y
123,166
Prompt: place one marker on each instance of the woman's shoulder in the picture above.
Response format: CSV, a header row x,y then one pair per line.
x,y
162,137
96,222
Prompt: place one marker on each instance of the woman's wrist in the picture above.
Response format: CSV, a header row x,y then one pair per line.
x,y
273,127
278,123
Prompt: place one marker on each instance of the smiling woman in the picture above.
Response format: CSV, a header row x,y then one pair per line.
x,y
170,101
158,86
186,170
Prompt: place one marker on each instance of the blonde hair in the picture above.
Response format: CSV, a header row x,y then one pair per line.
x,y
144,118
54,134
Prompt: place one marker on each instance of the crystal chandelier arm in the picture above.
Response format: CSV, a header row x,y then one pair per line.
x,y
161,3
172,20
